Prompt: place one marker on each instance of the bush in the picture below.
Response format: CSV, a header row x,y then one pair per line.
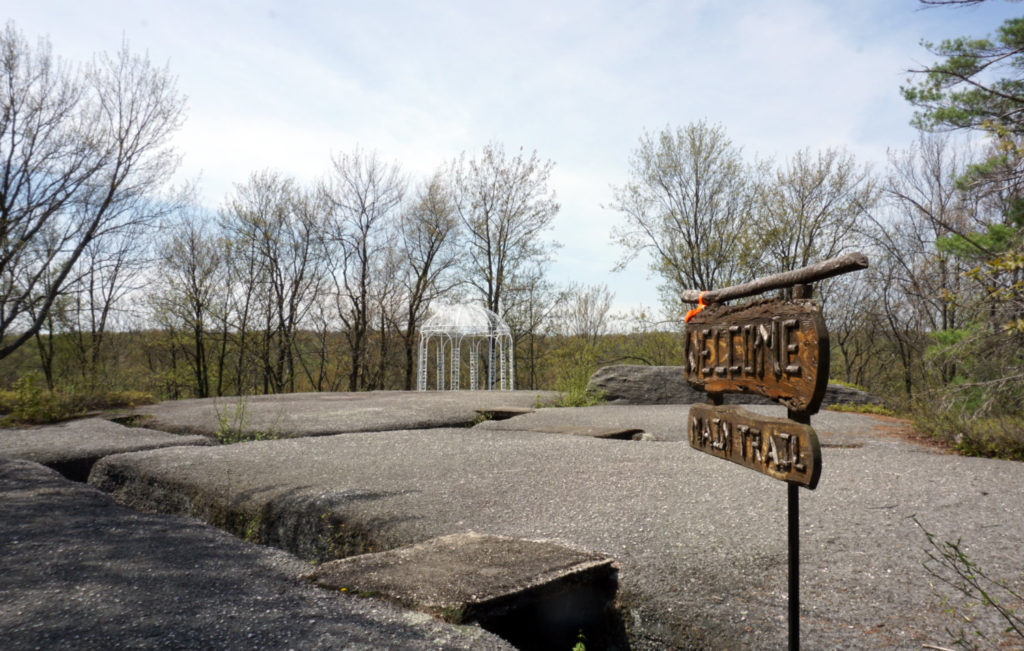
x,y
29,402
572,385
1000,437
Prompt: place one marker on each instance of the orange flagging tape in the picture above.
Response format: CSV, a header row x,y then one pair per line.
x,y
695,311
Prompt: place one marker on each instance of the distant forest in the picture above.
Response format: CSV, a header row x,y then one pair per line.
x,y
111,279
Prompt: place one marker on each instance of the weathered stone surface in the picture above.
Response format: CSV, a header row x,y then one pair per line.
x,y
667,423
526,591
80,572
71,448
323,414
701,542
666,385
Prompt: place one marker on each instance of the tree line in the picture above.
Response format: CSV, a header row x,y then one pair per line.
x,y
106,275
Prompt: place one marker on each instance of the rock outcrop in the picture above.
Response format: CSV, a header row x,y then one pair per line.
x,y
626,384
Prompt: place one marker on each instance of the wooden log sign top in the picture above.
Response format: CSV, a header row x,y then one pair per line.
x,y
775,348
779,447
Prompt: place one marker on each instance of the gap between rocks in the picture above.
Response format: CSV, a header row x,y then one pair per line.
x,y
320,527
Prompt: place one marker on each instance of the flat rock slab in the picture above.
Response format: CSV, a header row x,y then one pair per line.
x,y
80,572
701,542
668,423
321,414
537,590
71,448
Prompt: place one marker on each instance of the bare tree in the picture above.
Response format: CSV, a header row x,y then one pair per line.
x,y
363,197
529,317
504,206
583,312
919,288
809,209
83,149
111,272
428,249
578,324
851,315
687,196
191,267
276,229
929,207
322,369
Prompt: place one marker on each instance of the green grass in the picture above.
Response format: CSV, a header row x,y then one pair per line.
x,y
580,398
880,410
848,385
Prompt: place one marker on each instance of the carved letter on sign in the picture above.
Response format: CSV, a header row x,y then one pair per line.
x,y
779,447
776,348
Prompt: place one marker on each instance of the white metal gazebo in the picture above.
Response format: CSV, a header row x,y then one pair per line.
x,y
481,332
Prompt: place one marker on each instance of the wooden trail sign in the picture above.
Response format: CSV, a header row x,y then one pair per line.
x,y
775,348
779,447
778,349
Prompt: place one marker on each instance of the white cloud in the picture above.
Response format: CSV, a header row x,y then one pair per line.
x,y
285,85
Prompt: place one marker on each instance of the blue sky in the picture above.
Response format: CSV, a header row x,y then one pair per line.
x,y
285,85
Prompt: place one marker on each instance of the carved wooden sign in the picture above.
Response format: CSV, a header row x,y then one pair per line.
x,y
779,447
775,348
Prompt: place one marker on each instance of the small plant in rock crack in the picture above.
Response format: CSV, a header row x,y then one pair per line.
x,y
948,563
231,421
232,424
581,642
453,614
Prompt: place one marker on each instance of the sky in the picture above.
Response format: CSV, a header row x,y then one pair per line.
x,y
288,85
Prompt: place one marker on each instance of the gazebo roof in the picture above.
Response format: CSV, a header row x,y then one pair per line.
x,y
464,319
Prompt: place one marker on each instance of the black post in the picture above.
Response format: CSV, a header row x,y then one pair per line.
x,y
799,291
794,566
794,549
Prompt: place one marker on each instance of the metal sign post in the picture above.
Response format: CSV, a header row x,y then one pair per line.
x,y
775,348
793,537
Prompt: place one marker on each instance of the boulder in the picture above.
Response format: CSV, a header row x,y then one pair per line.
x,y
627,384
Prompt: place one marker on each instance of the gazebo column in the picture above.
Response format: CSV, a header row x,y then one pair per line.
x,y
421,371
440,364
500,355
490,362
474,371
511,366
456,363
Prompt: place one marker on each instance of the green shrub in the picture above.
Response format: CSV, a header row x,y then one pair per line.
x,y
999,437
30,402
573,388
996,436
